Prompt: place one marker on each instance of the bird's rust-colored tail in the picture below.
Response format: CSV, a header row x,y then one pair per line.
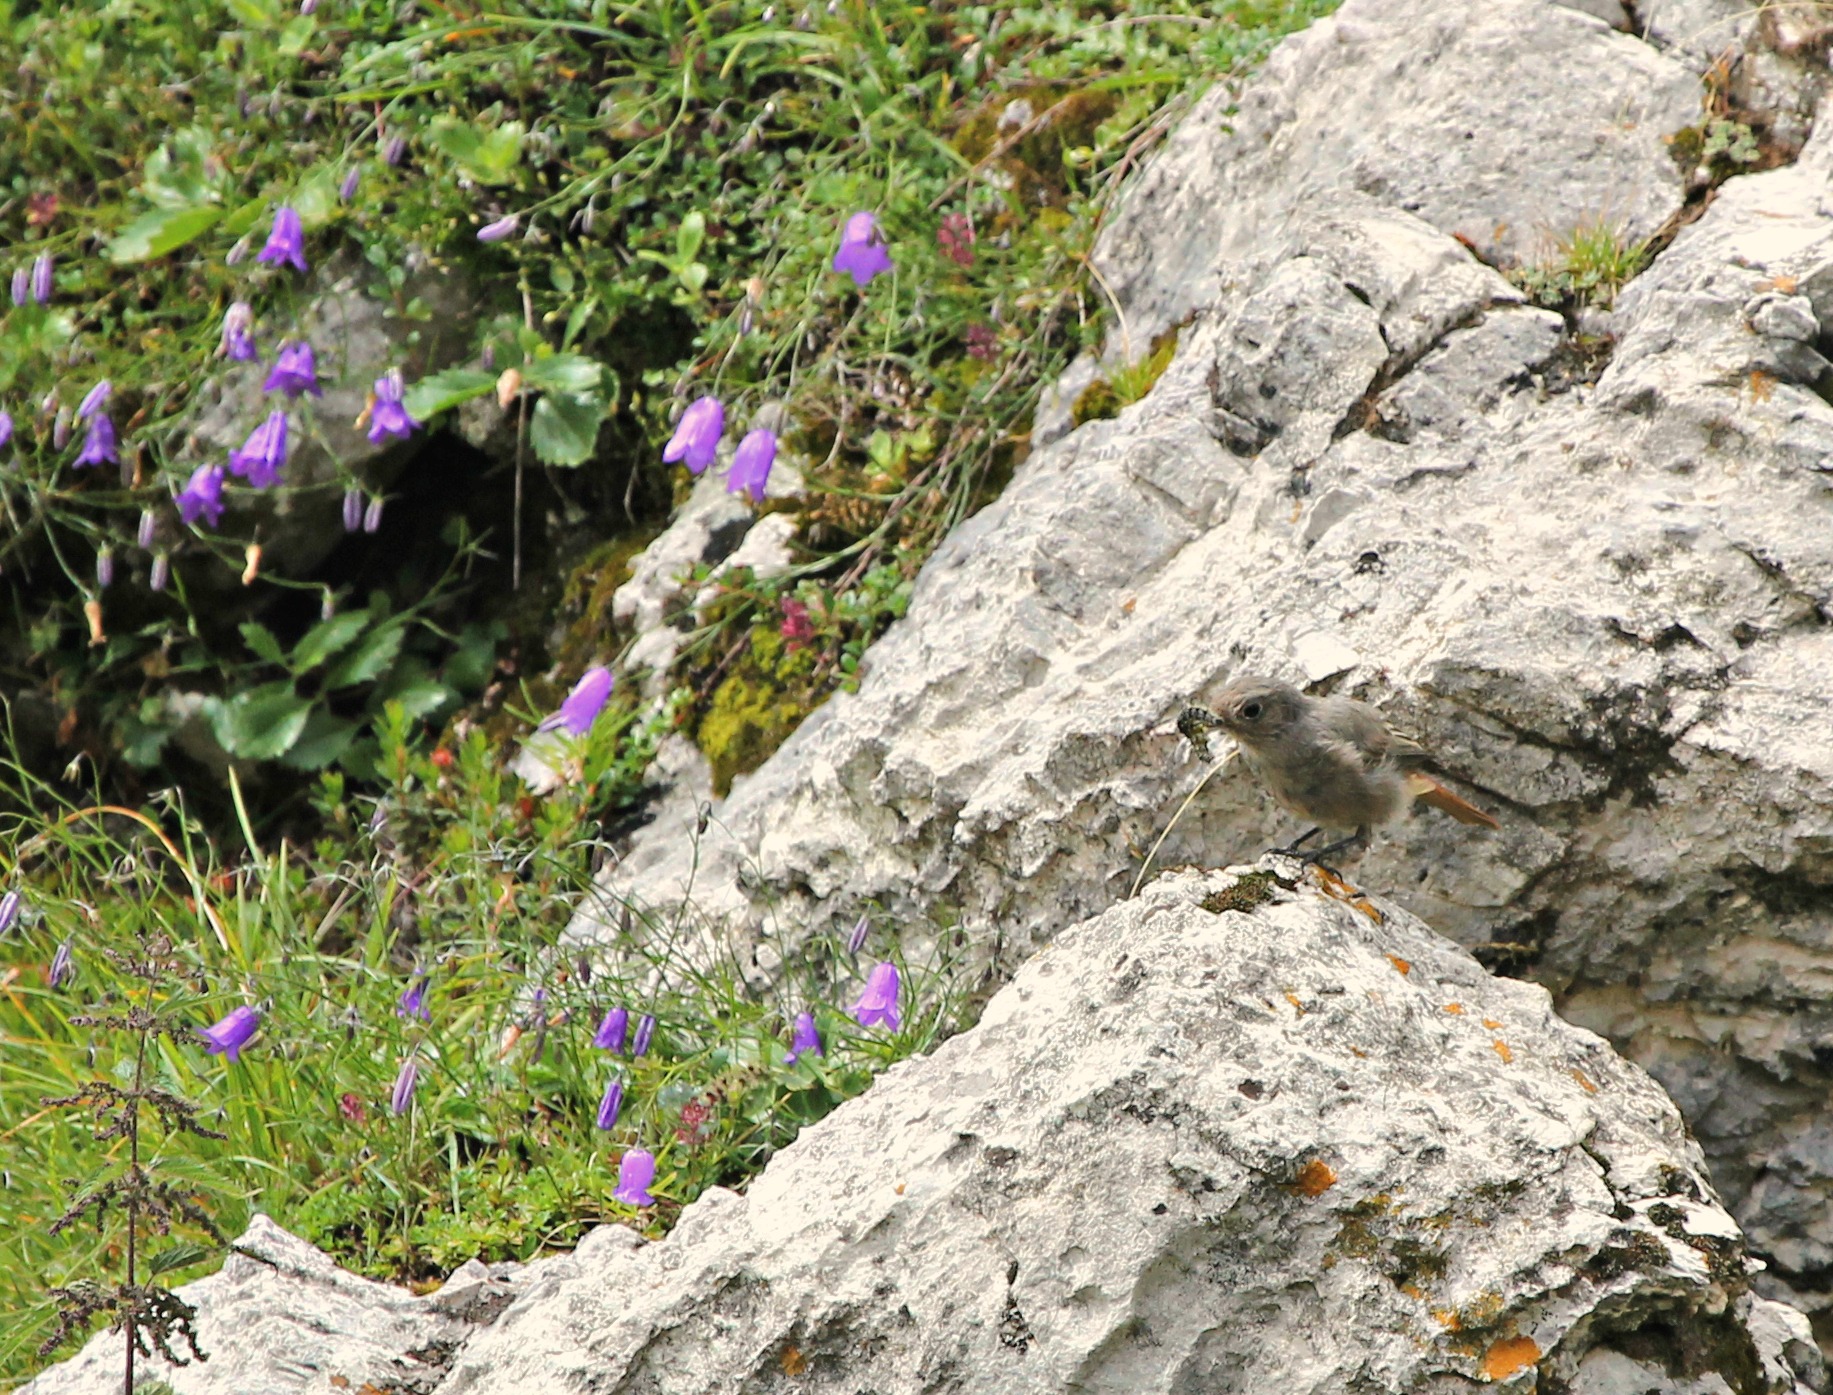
x,y
1428,791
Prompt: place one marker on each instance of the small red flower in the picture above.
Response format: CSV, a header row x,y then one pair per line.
x,y
797,628
40,209
982,342
442,758
956,238
696,1118
352,1108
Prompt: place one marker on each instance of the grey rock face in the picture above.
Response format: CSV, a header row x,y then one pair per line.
x,y
1595,576
357,338
280,1318
1288,1148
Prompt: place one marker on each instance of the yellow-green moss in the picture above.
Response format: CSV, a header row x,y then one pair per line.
x,y
585,599
756,707
1106,396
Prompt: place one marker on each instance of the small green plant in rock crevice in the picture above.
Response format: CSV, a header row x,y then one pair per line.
x,y
1589,266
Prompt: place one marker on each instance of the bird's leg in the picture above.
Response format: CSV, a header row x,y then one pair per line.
x,y
1358,840
1292,849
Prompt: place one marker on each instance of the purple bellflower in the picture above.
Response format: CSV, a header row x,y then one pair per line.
x,y
645,1031
412,1002
696,438
402,1099
634,1174
610,1105
372,515
41,279
611,1031
582,705
238,333
6,427
105,569
228,1037
99,443
500,229
148,530
751,464
394,150
159,573
353,510
95,399
63,965
389,417
22,285
857,940
263,453
347,190
295,371
862,253
803,1038
286,243
202,497
879,1001
9,910
60,427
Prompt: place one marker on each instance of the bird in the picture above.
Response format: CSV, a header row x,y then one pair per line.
x,y
1332,761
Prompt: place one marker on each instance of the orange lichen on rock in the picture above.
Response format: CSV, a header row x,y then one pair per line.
x,y
1503,1051
1315,1178
1403,965
1508,1355
1585,1081
1455,1009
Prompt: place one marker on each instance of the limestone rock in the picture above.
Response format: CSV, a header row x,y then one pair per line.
x,y
1229,1136
280,1318
1596,575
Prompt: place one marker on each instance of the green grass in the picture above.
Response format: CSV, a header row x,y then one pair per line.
x,y
680,172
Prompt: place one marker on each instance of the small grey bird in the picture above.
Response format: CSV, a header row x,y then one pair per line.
x,y
1331,761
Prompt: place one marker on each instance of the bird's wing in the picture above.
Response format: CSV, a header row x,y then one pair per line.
x,y
1360,726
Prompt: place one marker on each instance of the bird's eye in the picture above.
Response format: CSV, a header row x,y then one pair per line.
x,y
1251,710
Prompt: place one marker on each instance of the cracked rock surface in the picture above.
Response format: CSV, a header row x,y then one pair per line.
x,y
280,1318
1286,1147
1595,574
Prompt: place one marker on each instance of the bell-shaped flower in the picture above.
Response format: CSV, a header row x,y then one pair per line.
x,y
286,243
41,279
803,1038
862,253
99,443
22,285
412,1002
202,497
879,1001
611,1031
229,1036
63,965
857,940
347,190
751,464
634,1174
500,229
9,910
388,417
696,438
6,427
238,342
263,453
610,1105
582,705
295,371
645,1031
402,1098
95,399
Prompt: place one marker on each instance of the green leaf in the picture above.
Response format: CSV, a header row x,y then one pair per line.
x,y
314,198
369,659
259,724
689,236
424,697
432,395
178,174
161,231
564,428
328,637
179,1256
297,34
693,277
324,740
573,373
577,320
261,640
489,157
